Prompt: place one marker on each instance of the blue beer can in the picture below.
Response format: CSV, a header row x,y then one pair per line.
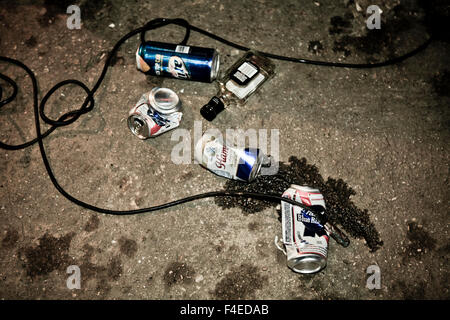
x,y
177,61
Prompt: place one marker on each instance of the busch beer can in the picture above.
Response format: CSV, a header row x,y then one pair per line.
x,y
305,239
242,164
155,113
181,62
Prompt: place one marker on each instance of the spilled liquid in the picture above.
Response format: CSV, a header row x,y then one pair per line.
x,y
340,211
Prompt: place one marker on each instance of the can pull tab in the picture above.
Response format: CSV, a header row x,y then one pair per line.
x,y
138,126
278,246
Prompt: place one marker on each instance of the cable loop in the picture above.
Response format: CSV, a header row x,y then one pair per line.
x,y
161,22
13,95
72,116
88,105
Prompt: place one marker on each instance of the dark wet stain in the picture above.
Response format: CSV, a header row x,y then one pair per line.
x,y
410,291
103,287
10,240
93,9
444,251
128,247
441,83
375,41
96,14
253,226
88,251
349,3
88,269
54,8
178,273
102,274
92,271
114,268
315,47
280,257
340,209
437,18
31,42
341,46
340,24
92,224
420,242
51,254
11,6
187,176
117,60
240,283
25,161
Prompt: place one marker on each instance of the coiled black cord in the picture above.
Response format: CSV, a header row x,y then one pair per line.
x,y
13,95
88,104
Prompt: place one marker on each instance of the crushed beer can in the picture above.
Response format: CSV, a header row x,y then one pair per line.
x,y
235,163
156,112
304,238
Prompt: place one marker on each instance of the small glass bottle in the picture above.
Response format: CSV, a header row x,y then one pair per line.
x,y
240,81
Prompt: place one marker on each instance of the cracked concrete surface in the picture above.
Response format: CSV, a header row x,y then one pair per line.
x,y
384,131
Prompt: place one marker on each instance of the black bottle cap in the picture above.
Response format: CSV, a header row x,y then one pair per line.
x,y
210,110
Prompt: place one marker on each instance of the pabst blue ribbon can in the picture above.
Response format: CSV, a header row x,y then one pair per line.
x,y
177,61
156,112
235,163
305,239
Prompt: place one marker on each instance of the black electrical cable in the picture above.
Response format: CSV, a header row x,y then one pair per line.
x,y
13,95
159,22
88,104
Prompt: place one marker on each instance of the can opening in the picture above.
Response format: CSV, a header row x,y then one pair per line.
x,y
164,100
308,265
137,126
257,169
215,66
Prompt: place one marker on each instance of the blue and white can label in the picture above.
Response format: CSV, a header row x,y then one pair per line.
x,y
177,61
305,239
242,164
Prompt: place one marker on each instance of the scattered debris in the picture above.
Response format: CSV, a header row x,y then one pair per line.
x,y
340,209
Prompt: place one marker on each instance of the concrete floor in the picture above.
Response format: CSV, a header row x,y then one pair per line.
x,y
383,131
